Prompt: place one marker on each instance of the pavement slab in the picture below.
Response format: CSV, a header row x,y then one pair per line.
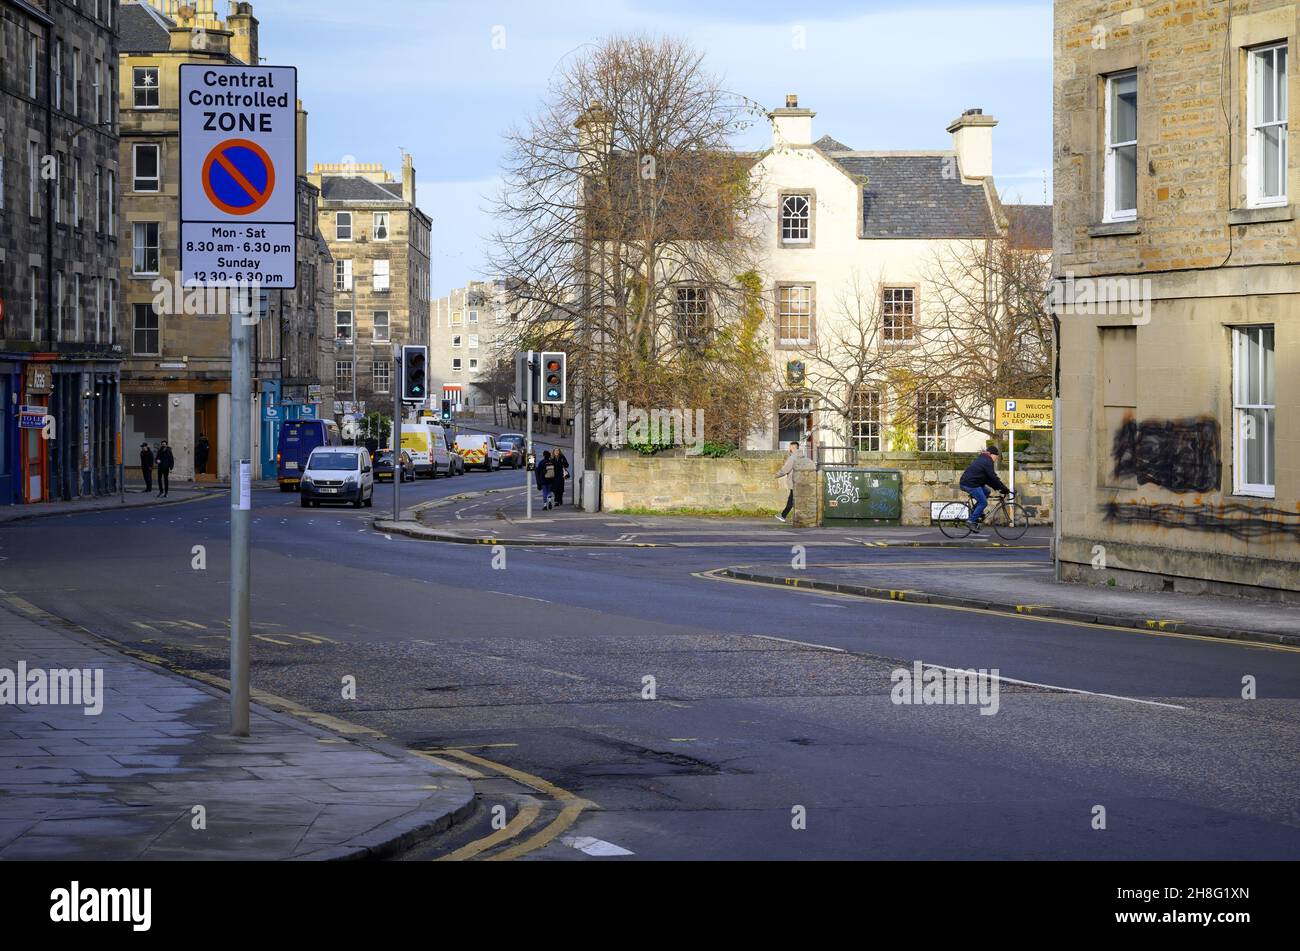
x,y
125,784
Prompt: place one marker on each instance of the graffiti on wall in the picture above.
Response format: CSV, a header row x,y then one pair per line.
x,y
1181,455
842,487
1240,520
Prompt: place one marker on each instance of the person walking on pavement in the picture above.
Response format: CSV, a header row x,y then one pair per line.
x,y
146,465
979,476
201,450
166,462
786,474
544,474
563,462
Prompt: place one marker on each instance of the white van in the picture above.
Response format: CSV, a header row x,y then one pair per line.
x,y
338,474
427,444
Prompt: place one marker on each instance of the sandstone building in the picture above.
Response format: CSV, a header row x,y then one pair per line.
x,y
1177,263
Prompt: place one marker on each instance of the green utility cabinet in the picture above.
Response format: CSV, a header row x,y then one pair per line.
x,y
852,496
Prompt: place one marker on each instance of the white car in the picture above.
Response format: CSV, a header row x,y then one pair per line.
x,y
338,474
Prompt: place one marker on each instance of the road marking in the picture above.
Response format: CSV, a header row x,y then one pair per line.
x,y
591,846
568,816
820,647
272,640
521,821
1086,693
714,575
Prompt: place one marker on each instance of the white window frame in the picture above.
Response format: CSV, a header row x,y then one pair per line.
x,y
339,324
456,341
76,82
136,178
386,336
1112,167
784,296
112,311
932,431
790,219
381,382
110,195
34,297
381,216
473,341
33,179
456,365
56,69
343,275
139,228
33,73
137,87
76,192
473,363
339,218
1255,135
381,275
99,197
343,371
1242,405
76,307
867,413
898,304
99,308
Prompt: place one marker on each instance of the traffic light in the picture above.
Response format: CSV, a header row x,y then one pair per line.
x,y
555,379
446,411
415,374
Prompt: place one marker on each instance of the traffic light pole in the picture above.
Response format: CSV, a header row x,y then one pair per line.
x,y
395,440
528,474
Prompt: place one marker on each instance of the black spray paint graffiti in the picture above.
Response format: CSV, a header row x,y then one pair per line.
x,y
1237,519
1181,455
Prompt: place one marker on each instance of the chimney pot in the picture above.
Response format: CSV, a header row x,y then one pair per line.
x,y
792,101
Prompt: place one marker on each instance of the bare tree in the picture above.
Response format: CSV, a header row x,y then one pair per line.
x,y
626,225
987,332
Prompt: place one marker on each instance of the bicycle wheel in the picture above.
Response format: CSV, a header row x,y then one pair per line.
x,y
1009,521
954,520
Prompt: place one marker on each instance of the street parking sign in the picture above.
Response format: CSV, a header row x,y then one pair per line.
x,y
239,164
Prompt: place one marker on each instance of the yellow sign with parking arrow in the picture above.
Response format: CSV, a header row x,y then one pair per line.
x,y
1022,414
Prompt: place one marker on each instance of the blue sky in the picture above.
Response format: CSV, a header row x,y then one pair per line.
x,y
423,75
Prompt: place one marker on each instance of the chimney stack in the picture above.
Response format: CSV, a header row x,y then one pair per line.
x,y
792,127
972,140
243,27
408,179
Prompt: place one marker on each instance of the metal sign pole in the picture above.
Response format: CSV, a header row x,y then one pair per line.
x,y
241,515
1011,460
528,388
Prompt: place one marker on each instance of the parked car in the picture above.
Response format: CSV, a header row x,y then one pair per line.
x,y
457,463
480,451
512,452
338,474
384,466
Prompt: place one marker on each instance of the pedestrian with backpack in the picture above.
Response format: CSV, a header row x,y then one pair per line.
x,y
544,474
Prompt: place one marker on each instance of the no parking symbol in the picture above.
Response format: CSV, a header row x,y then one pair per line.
x,y
239,177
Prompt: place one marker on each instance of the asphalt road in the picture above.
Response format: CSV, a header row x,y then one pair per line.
x,y
528,668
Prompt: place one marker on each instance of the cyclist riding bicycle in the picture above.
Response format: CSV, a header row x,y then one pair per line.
x,y
976,481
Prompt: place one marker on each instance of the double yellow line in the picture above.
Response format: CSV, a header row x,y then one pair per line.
x,y
571,807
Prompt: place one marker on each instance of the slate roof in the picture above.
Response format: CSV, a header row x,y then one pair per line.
x,y
355,188
827,144
1030,226
142,29
916,196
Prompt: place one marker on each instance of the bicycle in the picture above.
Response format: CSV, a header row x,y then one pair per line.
x,y
1007,519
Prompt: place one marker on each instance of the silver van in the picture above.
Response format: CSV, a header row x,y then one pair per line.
x,y
338,474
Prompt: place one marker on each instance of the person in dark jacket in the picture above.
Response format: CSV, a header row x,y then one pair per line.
x,y
201,450
166,463
557,486
979,477
545,474
146,465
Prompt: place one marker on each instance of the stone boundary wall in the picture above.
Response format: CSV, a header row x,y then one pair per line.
x,y
746,481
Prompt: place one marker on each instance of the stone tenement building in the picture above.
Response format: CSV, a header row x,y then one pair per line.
x,y
379,241
467,329
1177,264
176,377
58,248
